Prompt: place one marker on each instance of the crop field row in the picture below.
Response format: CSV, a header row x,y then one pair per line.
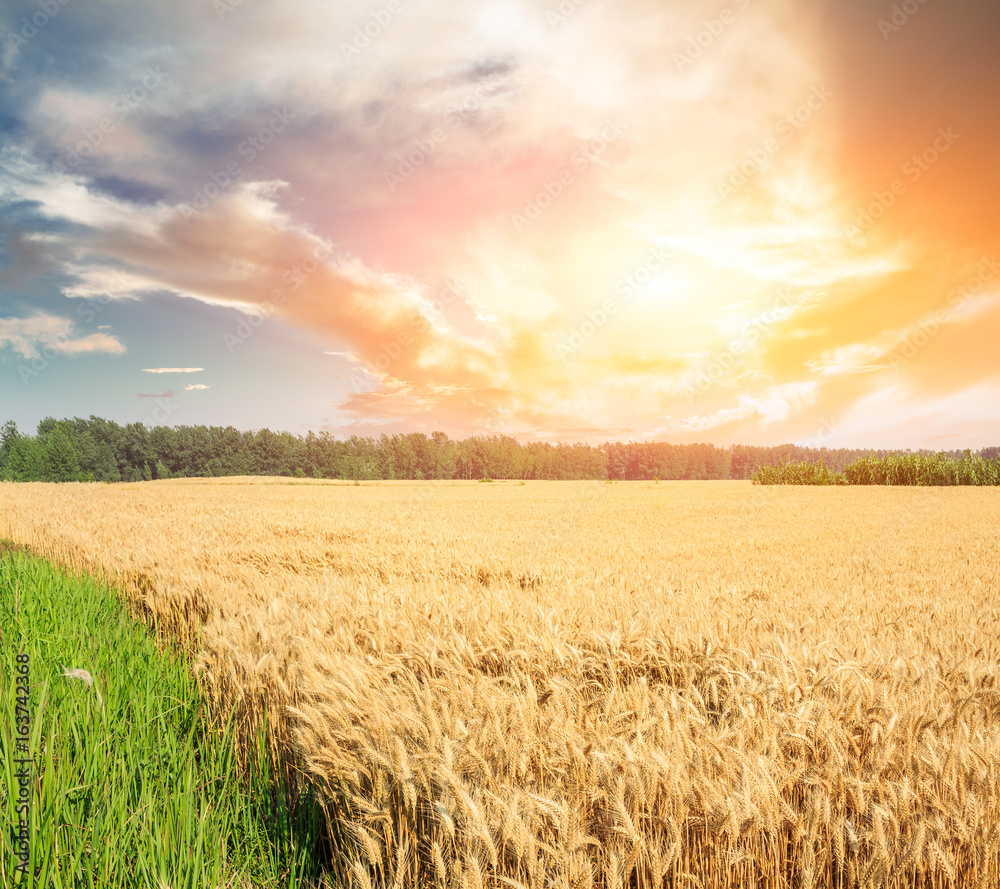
x,y
586,684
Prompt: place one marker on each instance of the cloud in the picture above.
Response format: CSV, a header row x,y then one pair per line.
x,y
170,393
395,325
28,337
777,404
896,414
172,370
946,436
382,217
196,386
94,342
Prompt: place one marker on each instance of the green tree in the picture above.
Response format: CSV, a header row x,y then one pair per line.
x,y
24,461
8,435
105,467
61,462
444,455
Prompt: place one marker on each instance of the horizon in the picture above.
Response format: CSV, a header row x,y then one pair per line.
x,y
757,223
523,441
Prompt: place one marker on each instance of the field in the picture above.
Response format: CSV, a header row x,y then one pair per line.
x,y
586,684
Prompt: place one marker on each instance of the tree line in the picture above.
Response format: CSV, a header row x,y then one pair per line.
x,y
102,450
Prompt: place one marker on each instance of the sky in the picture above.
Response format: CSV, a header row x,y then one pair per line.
x,y
747,221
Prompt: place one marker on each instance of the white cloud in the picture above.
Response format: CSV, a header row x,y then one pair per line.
x,y
172,370
30,336
777,403
196,386
898,415
852,359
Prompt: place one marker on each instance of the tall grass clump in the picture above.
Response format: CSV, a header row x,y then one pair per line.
x,y
131,786
894,469
798,474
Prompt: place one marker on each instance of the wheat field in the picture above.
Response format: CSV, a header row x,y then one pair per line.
x,y
561,684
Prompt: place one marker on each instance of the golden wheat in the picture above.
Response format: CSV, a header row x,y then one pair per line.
x,y
578,684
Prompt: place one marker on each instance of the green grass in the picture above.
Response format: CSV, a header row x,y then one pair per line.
x,y
131,787
893,469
